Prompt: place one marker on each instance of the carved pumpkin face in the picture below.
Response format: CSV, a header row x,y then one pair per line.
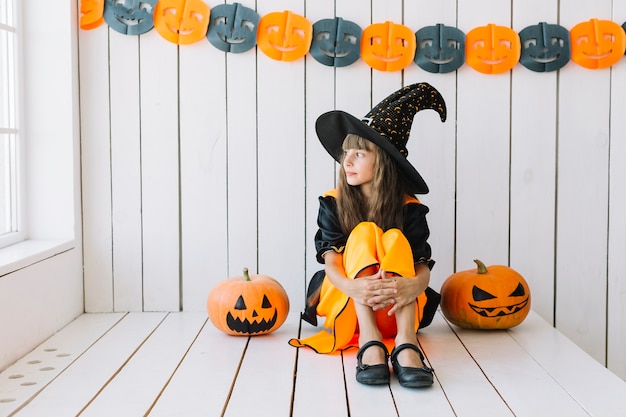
x,y
496,297
544,47
597,43
130,17
388,46
440,48
492,49
336,42
248,305
91,14
284,36
233,27
182,21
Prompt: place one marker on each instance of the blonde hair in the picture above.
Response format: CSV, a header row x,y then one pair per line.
x,y
385,205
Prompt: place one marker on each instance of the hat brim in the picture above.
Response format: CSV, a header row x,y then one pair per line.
x,y
332,128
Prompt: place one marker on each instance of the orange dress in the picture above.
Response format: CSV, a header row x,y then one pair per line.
x,y
367,246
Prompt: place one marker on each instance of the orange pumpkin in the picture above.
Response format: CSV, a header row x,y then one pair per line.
x,y
485,298
248,305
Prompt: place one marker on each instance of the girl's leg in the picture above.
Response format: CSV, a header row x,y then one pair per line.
x,y
368,331
405,320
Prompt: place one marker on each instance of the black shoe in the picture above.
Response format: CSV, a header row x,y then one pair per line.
x,y
409,376
372,374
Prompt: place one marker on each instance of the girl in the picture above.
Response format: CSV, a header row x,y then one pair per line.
x,y
372,239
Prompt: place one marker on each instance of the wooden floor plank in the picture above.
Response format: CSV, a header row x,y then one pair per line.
x,y
265,381
365,400
522,383
204,378
149,369
320,389
23,380
572,368
433,400
80,382
468,391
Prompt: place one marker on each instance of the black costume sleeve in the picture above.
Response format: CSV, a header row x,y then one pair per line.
x,y
417,232
329,235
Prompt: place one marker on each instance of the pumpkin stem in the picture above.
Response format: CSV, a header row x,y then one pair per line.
x,y
246,276
482,269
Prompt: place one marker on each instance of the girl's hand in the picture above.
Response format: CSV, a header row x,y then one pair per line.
x,y
397,291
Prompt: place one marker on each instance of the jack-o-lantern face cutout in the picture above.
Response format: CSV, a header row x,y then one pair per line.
x,y
182,21
91,14
336,42
492,49
248,305
233,28
440,48
259,319
544,47
597,43
488,305
496,297
388,46
284,36
130,17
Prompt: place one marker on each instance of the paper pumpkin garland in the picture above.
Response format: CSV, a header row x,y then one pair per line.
x,y
544,47
492,49
440,48
387,46
130,17
91,14
336,42
233,28
597,43
182,21
284,36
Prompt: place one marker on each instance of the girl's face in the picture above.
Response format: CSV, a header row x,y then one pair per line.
x,y
358,164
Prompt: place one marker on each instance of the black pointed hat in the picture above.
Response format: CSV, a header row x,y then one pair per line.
x,y
387,125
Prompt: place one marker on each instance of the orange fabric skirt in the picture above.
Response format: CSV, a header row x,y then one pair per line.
x,y
367,246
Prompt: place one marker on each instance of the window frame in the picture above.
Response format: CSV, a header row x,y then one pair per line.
x,y
16,231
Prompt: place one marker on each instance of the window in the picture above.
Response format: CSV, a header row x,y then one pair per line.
x,y
9,226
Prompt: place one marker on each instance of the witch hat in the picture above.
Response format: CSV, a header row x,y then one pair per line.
x,y
387,125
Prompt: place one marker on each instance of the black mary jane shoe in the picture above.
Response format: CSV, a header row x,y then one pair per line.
x,y
372,374
409,376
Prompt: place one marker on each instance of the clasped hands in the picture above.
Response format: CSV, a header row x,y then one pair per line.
x,y
382,289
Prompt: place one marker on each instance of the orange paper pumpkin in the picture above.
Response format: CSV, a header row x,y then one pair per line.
x,y
284,36
495,297
91,13
182,21
388,46
248,305
492,49
597,43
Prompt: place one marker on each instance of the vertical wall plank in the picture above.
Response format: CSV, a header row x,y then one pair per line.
x,y
385,82
616,337
483,150
432,146
160,172
583,140
281,165
96,169
203,139
533,171
126,172
320,173
241,105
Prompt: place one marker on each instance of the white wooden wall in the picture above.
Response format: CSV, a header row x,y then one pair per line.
x,y
197,163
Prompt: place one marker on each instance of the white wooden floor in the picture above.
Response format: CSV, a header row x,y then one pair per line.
x,y
178,364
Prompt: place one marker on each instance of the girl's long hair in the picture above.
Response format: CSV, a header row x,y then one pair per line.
x,y
385,206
